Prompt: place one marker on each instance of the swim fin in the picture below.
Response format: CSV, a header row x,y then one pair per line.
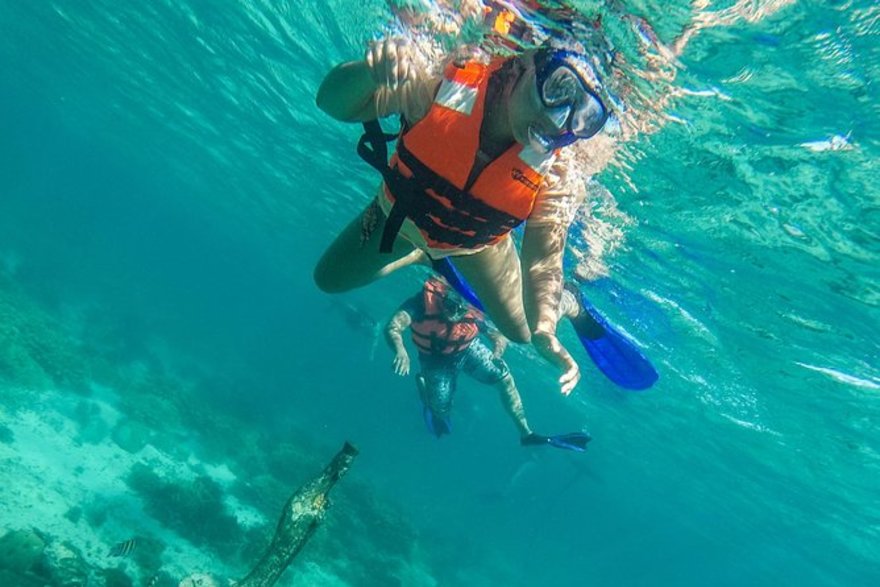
x,y
576,441
615,354
445,268
437,425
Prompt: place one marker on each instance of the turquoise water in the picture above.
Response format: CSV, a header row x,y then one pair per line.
x,y
166,186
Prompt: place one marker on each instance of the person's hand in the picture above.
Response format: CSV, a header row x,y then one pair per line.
x,y
552,350
401,363
391,62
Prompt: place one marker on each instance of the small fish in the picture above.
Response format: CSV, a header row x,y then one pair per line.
x,y
124,548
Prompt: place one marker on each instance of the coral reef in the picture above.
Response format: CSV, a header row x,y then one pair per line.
x,y
21,551
143,411
37,352
131,435
74,514
194,509
64,565
30,558
114,578
264,492
386,549
287,462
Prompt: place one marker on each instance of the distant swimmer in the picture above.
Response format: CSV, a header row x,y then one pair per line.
x,y
446,331
360,320
355,316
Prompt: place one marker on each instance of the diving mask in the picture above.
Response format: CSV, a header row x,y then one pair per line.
x,y
572,105
454,307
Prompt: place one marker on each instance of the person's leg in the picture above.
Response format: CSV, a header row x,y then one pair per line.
x,y
495,276
512,403
353,259
482,366
436,383
568,304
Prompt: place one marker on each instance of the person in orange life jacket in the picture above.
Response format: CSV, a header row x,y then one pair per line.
x,y
481,150
446,331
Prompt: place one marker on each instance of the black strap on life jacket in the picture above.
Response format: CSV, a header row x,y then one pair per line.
x,y
373,148
437,344
475,222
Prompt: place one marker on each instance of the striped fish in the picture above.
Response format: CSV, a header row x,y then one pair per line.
x,y
124,548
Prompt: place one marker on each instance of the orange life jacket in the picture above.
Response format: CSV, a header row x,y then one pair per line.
x,y
434,333
432,179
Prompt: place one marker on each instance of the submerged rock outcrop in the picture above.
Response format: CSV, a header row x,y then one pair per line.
x,y
21,551
301,516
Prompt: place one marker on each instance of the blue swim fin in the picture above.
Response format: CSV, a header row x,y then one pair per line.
x,y
618,357
615,354
576,441
445,268
437,425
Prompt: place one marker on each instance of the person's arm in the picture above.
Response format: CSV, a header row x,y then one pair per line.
x,y
499,341
391,78
348,92
394,335
542,251
543,247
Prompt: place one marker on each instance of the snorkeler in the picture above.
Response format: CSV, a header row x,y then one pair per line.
x,y
446,331
482,150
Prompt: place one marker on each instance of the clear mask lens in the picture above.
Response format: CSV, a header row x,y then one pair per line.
x,y
561,88
589,117
559,116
